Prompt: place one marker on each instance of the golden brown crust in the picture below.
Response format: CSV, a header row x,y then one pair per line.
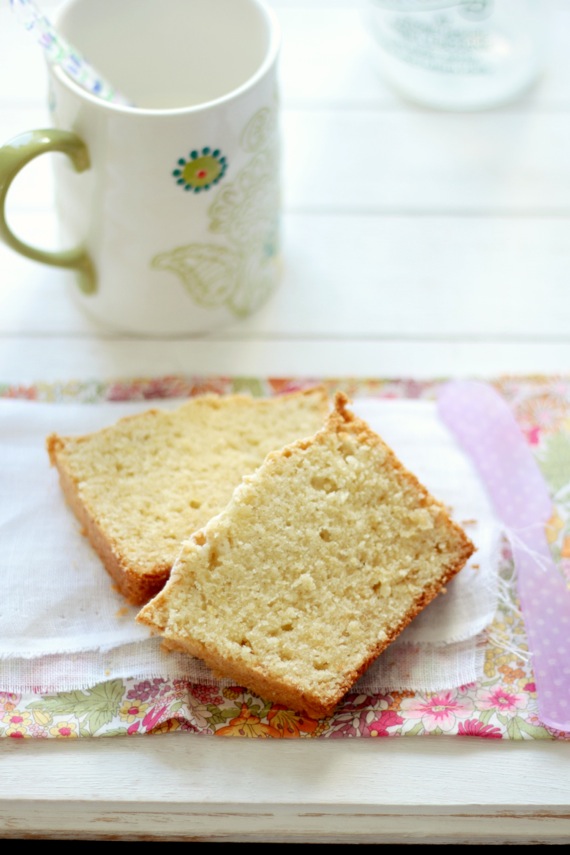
x,y
54,445
266,686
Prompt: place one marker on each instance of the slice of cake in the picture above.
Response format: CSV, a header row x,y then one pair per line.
x,y
318,562
143,485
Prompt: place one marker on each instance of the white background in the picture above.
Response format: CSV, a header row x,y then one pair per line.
x,y
416,243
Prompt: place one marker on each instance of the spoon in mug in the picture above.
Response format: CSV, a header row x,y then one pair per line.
x,y
59,52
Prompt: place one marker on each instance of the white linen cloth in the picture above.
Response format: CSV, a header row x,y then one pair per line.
x,y
63,626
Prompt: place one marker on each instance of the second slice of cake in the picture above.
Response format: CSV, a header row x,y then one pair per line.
x,y
319,561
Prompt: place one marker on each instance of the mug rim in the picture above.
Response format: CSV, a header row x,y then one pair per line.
x,y
268,62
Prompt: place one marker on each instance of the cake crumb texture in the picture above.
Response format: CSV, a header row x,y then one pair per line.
x,y
142,486
319,561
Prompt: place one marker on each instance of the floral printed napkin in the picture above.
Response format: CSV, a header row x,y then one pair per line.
x,y
501,705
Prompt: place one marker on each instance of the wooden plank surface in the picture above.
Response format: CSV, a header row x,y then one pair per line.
x,y
180,787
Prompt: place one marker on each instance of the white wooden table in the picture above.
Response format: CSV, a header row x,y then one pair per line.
x,y
417,244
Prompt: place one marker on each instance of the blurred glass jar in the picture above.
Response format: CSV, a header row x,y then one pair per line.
x,y
459,54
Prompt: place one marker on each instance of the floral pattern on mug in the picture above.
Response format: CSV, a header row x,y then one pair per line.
x,y
239,270
202,170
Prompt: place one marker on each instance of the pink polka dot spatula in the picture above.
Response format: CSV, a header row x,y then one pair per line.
x,y
485,427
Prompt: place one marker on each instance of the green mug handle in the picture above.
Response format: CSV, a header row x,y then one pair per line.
x,y
14,155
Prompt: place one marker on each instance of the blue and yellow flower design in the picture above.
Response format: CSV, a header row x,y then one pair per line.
x,y
201,170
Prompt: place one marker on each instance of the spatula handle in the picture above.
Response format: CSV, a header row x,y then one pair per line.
x,y
485,427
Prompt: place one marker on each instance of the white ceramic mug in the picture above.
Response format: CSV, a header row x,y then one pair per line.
x,y
171,207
